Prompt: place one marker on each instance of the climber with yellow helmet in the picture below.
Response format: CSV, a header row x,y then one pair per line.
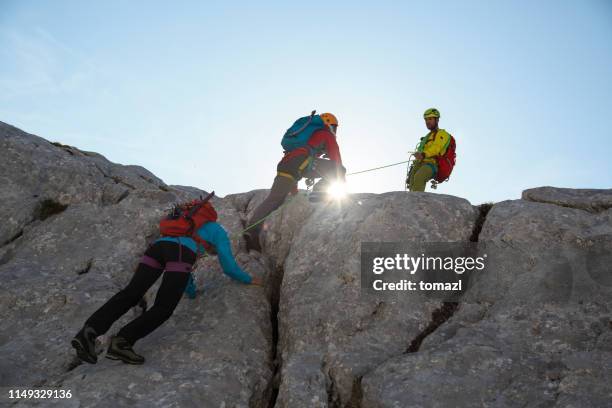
x,y
435,155
304,144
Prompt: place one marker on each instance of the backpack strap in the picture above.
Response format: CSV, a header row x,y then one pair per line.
x,y
425,139
434,136
195,209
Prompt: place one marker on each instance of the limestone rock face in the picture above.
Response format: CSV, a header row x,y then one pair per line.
x,y
77,225
534,329
331,331
585,199
280,230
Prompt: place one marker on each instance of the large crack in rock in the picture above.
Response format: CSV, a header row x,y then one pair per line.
x,y
483,211
241,203
332,333
274,285
274,227
12,239
448,309
277,235
438,318
523,325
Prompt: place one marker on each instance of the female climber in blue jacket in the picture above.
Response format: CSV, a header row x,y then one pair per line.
x,y
174,258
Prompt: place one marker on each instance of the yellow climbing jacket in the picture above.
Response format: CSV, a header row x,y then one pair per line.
x,y
434,144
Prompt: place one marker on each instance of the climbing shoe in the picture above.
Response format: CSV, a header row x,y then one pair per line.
x,y
85,345
319,192
121,349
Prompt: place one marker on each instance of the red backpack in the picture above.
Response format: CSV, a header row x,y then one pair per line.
x,y
185,219
446,162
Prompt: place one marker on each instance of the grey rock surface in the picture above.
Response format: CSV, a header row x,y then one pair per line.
x,y
59,267
543,305
331,332
214,351
280,229
585,199
535,329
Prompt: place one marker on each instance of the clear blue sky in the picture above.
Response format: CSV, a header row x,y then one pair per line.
x,y
200,92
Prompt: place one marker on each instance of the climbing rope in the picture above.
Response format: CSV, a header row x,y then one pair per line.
x,y
382,167
377,168
308,187
264,218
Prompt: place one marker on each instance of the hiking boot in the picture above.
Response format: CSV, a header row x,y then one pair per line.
x,y
85,345
121,349
319,191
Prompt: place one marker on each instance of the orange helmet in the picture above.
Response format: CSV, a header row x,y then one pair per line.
x,y
329,119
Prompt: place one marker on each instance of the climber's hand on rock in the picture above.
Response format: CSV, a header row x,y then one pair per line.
x,y
256,281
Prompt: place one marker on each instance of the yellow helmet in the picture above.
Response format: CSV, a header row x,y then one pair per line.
x,y
431,113
329,119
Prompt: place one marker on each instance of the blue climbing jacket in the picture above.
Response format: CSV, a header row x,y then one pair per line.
x,y
214,233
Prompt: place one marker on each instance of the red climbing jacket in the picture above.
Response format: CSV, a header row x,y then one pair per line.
x,y
322,141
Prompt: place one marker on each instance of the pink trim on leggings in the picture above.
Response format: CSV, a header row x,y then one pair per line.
x,y
152,262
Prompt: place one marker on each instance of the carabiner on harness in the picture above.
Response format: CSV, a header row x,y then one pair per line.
x,y
309,183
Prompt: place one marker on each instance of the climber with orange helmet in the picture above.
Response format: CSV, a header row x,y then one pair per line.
x,y
305,143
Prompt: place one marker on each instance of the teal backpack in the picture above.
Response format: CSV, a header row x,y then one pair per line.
x,y
300,132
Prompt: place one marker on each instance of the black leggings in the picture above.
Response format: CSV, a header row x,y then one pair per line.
x,y
175,261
